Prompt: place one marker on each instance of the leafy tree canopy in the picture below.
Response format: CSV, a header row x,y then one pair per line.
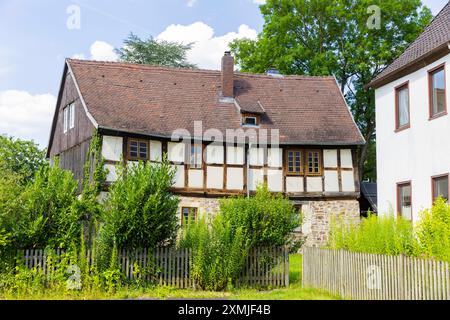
x,y
20,157
324,37
155,52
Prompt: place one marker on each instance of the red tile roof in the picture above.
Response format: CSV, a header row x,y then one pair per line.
x,y
435,37
156,101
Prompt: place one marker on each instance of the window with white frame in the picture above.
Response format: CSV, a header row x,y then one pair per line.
x,y
69,117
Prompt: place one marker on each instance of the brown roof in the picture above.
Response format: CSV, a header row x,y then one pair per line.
x,y
155,101
433,41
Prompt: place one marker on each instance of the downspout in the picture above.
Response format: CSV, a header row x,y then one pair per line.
x,y
248,169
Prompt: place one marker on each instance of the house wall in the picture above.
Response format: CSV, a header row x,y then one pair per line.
x,y
415,154
71,147
225,171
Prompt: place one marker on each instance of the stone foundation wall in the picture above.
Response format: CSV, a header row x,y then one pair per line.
x,y
206,206
317,216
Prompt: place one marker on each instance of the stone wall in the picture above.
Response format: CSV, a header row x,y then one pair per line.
x,y
206,206
317,216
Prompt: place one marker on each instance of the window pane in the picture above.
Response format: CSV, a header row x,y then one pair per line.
x,y
438,92
66,115
133,149
196,156
294,161
72,116
403,107
405,202
440,188
313,162
143,150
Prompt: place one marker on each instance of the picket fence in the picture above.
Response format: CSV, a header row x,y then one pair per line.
x,y
264,267
363,276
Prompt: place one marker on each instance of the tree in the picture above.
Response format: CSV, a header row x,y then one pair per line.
x,y
20,157
323,37
155,52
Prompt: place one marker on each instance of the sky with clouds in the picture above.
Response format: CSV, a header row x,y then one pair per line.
x,y
38,35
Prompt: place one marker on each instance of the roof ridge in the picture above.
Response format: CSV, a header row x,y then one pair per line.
x,y
127,65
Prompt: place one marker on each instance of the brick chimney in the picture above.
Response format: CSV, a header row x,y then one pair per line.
x,y
227,75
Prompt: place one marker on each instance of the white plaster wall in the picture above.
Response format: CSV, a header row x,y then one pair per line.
x,y
346,159
112,148
275,157
179,176
256,177
235,155
214,154
348,181
214,177
256,156
195,179
330,158
235,179
275,180
155,150
294,184
314,184
176,151
331,181
112,174
415,154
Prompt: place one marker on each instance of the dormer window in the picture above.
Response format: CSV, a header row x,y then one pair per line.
x,y
250,120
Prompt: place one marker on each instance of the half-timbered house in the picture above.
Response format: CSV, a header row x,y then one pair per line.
x,y
307,136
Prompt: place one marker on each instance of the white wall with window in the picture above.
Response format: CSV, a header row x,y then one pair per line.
x,y
413,139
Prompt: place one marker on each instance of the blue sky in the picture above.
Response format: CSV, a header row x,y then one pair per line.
x,y
37,36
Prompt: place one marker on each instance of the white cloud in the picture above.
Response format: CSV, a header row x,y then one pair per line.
x,y
103,51
259,2
100,51
207,48
191,3
26,116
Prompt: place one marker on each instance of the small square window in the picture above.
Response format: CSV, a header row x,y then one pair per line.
x,y
138,150
249,121
295,162
188,214
440,188
314,163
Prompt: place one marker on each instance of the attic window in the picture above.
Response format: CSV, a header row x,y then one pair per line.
x,y
249,120
69,117
138,150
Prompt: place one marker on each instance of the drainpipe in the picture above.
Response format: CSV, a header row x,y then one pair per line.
x,y
248,169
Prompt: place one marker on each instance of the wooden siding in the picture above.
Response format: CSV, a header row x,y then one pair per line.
x,y
83,129
74,159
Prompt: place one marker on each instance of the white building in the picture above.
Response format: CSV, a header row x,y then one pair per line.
x,y
413,125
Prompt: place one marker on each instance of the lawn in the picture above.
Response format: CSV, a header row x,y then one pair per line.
x,y
294,292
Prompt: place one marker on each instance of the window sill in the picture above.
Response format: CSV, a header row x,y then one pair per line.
x,y
439,115
402,128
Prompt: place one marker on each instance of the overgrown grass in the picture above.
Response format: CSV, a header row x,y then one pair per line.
x,y
429,238
294,292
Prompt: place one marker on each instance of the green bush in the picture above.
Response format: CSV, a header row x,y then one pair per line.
x,y
377,235
47,214
266,219
221,247
141,211
219,252
433,231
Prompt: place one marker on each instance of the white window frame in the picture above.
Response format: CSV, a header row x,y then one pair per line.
x,y
72,116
